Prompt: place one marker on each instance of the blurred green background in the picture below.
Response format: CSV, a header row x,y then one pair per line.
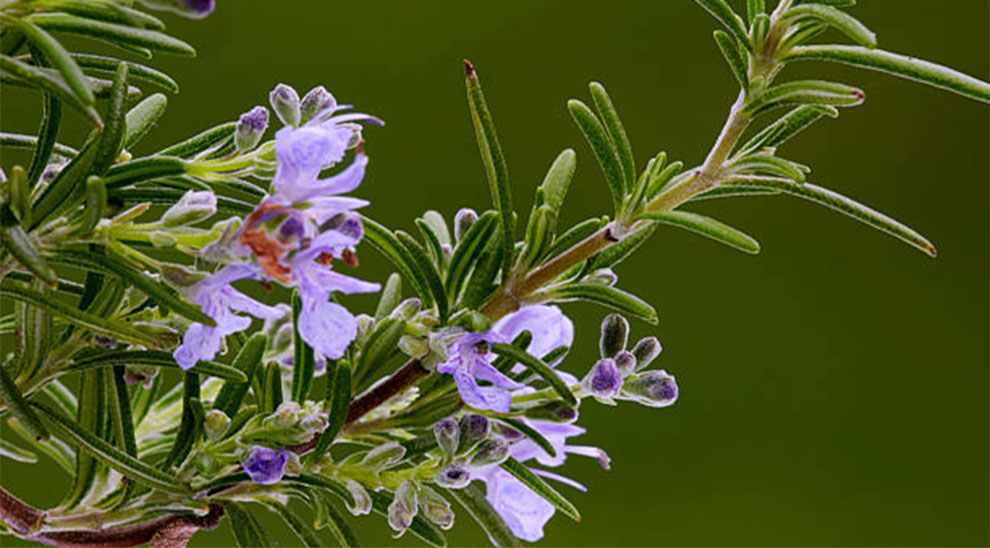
x,y
834,389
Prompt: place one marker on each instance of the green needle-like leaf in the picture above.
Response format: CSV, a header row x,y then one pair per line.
x,y
248,533
720,10
468,252
303,360
621,250
899,65
110,455
117,34
604,149
296,524
136,71
381,344
19,244
390,297
842,204
56,55
38,77
493,160
429,271
815,92
17,140
157,358
487,517
540,487
337,405
539,368
734,56
611,297
19,407
845,23
401,258
248,359
142,117
787,126
419,527
531,433
617,134
201,142
706,226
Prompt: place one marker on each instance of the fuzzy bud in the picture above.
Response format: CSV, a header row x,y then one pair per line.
x,y
506,432
362,500
193,207
615,335
474,429
414,347
383,456
251,127
454,476
216,424
448,434
403,508
604,276
435,508
285,103
603,381
626,362
651,388
407,308
314,102
463,220
555,411
366,324
646,350
493,451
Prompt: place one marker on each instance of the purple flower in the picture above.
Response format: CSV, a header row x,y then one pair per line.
x,y
328,327
603,380
219,301
469,360
266,466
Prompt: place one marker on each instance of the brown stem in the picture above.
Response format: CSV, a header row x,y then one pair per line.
x,y
172,531
407,375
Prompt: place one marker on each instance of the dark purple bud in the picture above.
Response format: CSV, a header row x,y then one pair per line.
x,y
506,432
250,128
195,9
455,476
474,429
652,388
555,411
463,221
266,466
603,381
615,335
626,362
104,341
285,102
646,350
316,101
491,451
448,433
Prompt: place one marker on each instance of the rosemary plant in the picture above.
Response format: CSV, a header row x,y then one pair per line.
x,y
452,396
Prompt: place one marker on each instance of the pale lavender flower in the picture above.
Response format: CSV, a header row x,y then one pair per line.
x,y
469,360
266,466
219,301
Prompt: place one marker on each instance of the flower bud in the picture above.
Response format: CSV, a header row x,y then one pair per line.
x,y
283,337
603,381
403,508
384,456
407,308
651,388
285,415
506,432
216,424
555,411
454,476
314,102
194,9
362,500
285,102
463,220
448,433
615,334
474,428
179,276
492,451
266,466
435,508
604,276
251,127
193,207
414,347
294,466
646,350
366,324
626,362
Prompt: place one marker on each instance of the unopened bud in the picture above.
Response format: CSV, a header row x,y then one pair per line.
x,y
366,324
293,466
383,456
407,308
506,432
435,508
626,362
285,415
615,334
603,381
193,207
454,476
251,127
194,9
492,451
316,101
285,102
651,388
404,507
216,424
474,428
362,500
646,350
555,411
463,220
179,276
448,433
414,347
605,276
